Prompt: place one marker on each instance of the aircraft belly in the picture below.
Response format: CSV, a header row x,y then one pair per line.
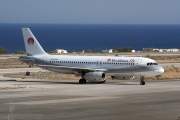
x,y
60,70
132,71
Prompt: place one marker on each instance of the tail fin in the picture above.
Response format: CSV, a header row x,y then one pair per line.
x,y
31,44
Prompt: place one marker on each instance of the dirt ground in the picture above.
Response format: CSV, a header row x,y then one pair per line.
x,y
12,63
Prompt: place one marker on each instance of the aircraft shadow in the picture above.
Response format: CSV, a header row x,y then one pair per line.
x,y
67,82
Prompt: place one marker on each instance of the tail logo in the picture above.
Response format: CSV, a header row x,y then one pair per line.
x,y
30,41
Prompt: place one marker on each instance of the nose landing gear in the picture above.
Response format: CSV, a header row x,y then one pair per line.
x,y
82,80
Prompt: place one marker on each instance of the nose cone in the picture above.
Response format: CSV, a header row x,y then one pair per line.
x,y
159,71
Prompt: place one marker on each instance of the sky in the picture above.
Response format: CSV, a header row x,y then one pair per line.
x,y
90,11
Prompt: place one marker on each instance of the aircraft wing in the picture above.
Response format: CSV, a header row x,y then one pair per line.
x,y
79,69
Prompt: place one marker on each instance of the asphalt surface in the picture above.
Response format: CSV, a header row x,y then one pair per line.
x,y
68,100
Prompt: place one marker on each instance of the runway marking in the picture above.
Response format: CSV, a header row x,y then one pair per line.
x,y
64,100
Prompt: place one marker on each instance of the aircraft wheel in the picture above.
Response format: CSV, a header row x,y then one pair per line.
x,y
142,81
82,81
104,81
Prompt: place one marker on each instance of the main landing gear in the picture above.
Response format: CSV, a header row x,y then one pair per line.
x,y
103,81
82,81
30,64
142,82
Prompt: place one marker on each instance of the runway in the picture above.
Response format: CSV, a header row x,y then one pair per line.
x,y
67,100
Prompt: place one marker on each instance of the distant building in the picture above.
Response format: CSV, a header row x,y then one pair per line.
x,y
133,51
61,51
160,50
107,51
173,50
150,50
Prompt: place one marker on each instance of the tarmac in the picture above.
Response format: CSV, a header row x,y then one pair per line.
x,y
33,99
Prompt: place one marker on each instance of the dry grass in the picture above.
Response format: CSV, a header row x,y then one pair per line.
x,y
170,73
12,63
43,75
165,58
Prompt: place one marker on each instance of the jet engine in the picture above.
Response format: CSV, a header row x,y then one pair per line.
x,y
123,77
95,76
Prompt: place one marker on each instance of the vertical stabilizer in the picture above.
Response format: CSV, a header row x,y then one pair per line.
x,y
31,44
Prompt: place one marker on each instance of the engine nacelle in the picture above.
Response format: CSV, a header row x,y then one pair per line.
x,y
95,76
123,77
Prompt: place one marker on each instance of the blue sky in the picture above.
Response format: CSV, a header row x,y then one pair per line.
x,y
90,11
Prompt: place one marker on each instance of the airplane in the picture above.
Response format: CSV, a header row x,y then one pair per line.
x,y
90,68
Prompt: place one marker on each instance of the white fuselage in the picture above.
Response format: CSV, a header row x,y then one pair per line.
x,y
116,66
